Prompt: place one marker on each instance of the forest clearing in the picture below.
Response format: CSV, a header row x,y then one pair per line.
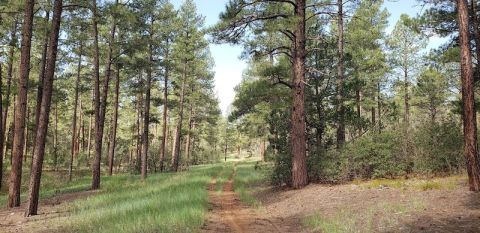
x,y
235,197
239,116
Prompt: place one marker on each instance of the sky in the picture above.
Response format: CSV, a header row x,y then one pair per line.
x,y
229,67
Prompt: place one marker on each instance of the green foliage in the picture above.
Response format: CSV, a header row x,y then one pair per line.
x,y
375,156
439,148
248,177
163,203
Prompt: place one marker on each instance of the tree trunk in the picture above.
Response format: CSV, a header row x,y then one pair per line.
x,y
100,101
163,147
476,33
4,112
188,139
11,54
41,77
358,100
298,137
25,146
111,151
379,107
321,125
55,137
178,129
81,143
96,71
340,69
1,126
89,139
11,130
35,174
406,117
21,106
374,120
74,119
146,119
469,115
139,133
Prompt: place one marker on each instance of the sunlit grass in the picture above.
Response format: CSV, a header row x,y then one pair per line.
x,y
53,183
223,176
163,203
167,202
248,176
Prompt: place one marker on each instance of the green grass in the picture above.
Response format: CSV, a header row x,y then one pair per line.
x,y
53,183
167,202
248,177
163,203
223,176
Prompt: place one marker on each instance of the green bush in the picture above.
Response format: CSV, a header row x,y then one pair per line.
x,y
375,156
281,174
328,166
439,148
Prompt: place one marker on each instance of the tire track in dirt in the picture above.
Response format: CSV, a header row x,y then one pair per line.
x,y
228,214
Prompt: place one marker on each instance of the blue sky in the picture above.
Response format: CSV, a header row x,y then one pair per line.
x,y
228,66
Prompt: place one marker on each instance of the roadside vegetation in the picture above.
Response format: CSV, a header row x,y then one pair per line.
x,y
251,177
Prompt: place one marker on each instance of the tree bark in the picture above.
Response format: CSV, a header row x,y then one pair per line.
x,y
111,151
41,77
11,130
406,117
340,73
11,55
146,119
468,99
178,129
21,106
2,133
188,139
100,101
35,175
298,137
89,139
81,143
25,146
96,71
163,147
139,132
476,33
379,107
55,137
75,106
4,112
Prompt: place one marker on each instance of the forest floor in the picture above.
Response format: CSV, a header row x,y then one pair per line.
x,y
440,205
372,207
227,198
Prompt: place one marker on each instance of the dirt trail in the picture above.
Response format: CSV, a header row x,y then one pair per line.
x,y
229,214
14,221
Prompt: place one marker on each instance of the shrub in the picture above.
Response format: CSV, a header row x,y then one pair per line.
x,y
439,148
375,156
